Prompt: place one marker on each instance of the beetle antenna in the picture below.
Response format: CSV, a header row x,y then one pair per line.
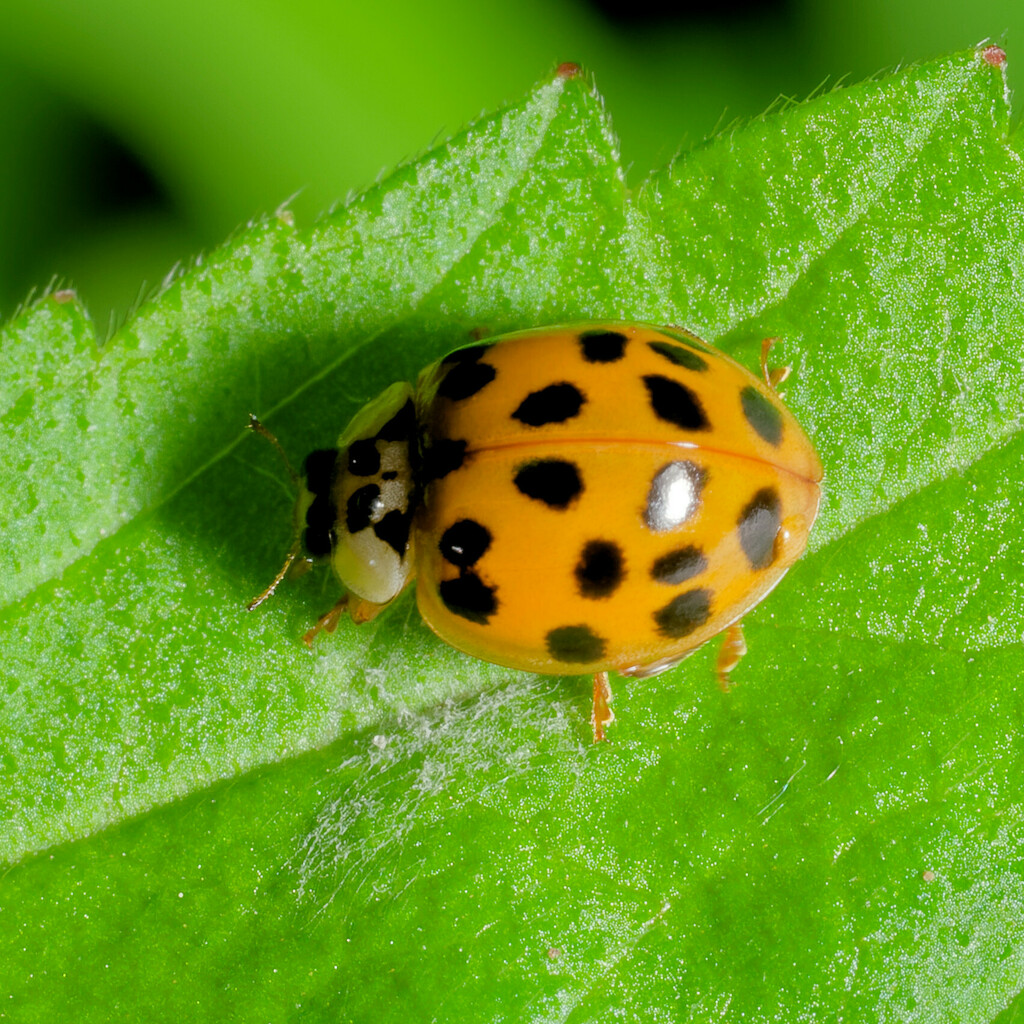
x,y
293,553
257,428
296,547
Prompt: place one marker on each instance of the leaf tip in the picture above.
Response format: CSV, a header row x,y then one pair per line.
x,y
994,55
283,213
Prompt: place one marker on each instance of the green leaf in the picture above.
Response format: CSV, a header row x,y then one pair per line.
x,y
838,838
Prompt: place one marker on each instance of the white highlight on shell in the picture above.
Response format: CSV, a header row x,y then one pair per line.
x,y
674,496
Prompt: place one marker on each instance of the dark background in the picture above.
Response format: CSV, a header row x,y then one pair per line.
x,y
134,137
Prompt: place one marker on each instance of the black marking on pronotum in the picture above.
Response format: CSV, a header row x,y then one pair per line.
x,y
600,569
318,469
675,403
361,506
401,426
317,544
762,415
321,513
575,645
678,566
464,543
554,404
683,614
318,536
603,346
759,525
555,482
393,529
441,457
469,597
363,457
679,355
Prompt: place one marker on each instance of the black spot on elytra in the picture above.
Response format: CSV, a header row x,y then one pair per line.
x,y
678,566
679,355
318,469
469,597
466,376
443,456
389,475
393,529
759,525
363,458
575,645
401,426
675,403
469,354
552,481
603,346
554,404
599,570
464,543
361,505
684,613
761,414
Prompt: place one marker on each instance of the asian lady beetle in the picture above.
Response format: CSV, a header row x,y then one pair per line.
x,y
572,499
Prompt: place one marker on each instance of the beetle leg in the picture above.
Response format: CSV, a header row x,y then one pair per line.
x,y
359,611
328,622
729,655
777,374
602,715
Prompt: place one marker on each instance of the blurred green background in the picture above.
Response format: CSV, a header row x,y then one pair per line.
x,y
135,136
